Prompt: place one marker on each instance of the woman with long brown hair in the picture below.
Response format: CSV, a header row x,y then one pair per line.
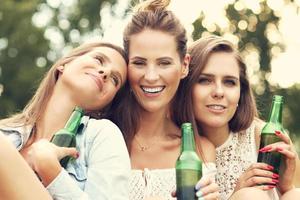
x,y
155,43
216,96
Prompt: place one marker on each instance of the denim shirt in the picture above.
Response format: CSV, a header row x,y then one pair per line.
x,y
102,169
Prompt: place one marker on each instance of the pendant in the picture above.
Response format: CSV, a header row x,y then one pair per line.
x,y
144,148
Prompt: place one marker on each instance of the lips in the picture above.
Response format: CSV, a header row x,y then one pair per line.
x,y
98,80
216,108
153,90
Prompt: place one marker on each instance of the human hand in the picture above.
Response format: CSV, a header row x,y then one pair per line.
x,y
288,167
206,189
257,175
43,156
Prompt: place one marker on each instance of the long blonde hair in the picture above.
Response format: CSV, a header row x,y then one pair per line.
x,y
36,106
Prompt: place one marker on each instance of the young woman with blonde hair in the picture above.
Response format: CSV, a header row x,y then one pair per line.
x,y
88,77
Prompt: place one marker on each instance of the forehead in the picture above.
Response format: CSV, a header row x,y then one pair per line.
x,y
152,43
222,62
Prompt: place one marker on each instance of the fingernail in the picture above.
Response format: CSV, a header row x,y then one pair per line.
x,y
279,149
277,132
197,186
265,149
275,181
269,167
77,155
271,186
275,175
199,193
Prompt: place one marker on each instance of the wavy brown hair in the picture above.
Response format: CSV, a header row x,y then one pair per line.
x,y
200,51
151,15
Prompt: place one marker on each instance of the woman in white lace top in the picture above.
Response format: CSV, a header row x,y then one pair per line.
x,y
155,42
219,100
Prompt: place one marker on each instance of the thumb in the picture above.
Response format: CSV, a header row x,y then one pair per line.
x,y
68,151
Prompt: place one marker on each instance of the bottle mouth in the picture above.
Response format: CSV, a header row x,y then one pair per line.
x,y
278,98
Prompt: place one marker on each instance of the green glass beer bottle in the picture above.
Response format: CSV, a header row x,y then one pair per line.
x,y
268,135
66,137
188,165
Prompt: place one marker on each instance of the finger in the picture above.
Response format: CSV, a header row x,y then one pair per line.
x,y
203,182
173,193
205,191
287,153
274,146
68,151
256,180
284,137
259,165
260,173
210,196
265,187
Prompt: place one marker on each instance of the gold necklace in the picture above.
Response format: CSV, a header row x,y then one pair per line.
x,y
141,147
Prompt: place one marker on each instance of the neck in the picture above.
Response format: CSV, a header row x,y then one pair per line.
x,y
56,114
156,124
216,135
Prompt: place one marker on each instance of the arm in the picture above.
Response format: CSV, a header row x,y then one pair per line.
x,y
16,175
108,166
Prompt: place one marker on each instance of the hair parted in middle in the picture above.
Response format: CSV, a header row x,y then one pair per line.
x,y
153,15
148,15
200,51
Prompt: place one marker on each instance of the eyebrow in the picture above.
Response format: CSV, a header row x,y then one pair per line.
x,y
138,57
105,57
227,76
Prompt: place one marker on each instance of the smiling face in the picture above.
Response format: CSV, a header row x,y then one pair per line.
x,y
217,93
94,78
155,68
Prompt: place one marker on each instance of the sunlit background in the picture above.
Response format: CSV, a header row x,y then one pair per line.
x,y
33,34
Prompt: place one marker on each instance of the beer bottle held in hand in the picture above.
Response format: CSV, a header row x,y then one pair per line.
x,y
66,137
188,165
268,135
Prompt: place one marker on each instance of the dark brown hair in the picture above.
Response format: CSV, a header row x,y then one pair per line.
x,y
152,15
200,52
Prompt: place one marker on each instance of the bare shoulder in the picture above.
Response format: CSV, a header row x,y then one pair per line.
x,y
208,150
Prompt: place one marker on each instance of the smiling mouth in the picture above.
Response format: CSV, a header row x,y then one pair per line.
x,y
216,107
152,90
97,80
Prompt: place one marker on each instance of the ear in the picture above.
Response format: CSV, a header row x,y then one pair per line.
x,y
185,66
60,68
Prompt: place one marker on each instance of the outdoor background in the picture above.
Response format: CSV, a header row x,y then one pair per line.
x,y
33,34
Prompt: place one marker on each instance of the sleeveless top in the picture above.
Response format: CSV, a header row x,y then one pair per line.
x,y
159,183
233,158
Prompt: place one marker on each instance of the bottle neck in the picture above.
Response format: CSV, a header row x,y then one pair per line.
x,y
276,112
74,121
188,141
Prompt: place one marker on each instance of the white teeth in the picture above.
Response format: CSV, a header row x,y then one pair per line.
x,y
216,107
153,90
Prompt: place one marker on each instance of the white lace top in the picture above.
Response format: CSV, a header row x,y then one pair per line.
x,y
158,183
233,158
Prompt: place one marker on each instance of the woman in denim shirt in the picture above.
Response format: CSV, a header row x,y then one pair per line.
x,y
88,77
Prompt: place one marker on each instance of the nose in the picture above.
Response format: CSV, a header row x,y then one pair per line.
x,y
104,73
218,91
151,74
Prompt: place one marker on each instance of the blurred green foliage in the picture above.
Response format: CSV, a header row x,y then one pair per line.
x,y
26,50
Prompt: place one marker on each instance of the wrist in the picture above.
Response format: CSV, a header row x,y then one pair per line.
x,y
47,171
